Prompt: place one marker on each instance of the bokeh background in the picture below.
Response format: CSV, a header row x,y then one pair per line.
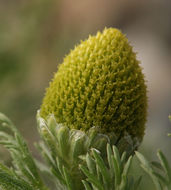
x,y
35,35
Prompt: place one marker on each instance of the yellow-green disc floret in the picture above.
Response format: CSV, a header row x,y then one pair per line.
x,y
99,83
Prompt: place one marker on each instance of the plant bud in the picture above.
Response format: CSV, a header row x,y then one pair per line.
x,y
100,83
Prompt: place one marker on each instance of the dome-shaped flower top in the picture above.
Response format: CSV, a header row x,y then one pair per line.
x,y
100,83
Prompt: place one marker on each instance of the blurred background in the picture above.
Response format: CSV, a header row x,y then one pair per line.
x,y
35,35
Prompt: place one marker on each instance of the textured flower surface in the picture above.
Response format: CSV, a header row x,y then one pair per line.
x,y
100,83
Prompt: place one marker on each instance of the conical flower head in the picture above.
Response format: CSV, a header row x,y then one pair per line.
x,y
99,83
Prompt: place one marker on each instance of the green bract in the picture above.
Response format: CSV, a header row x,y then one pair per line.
x,y
99,83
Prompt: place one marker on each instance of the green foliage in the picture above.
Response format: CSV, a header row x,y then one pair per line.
x,y
65,152
110,176
24,173
100,83
75,160
160,173
67,148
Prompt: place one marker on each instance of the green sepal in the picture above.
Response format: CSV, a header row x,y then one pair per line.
x,y
68,148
